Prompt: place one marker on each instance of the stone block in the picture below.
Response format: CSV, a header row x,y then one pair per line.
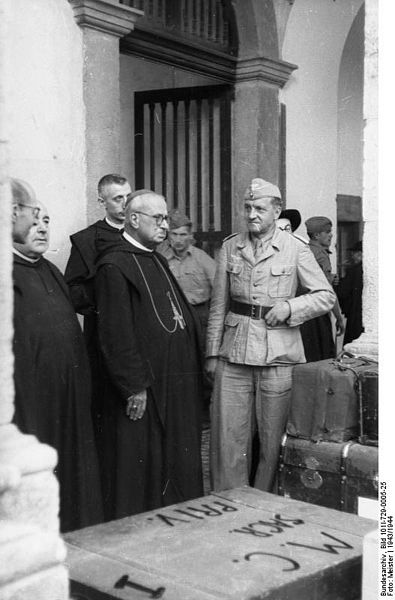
x,y
240,544
29,491
31,564
51,584
34,501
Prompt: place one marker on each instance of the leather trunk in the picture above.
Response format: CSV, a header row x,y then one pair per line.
x,y
369,418
328,474
325,402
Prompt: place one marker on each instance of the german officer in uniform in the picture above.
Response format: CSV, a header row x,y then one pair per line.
x,y
253,337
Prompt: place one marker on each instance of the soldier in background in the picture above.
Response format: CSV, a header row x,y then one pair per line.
x,y
193,268
317,333
289,220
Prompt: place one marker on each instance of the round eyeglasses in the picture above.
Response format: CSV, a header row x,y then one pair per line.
x,y
158,218
35,209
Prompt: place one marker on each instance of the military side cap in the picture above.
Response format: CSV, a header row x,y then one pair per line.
x,y
259,188
178,219
317,224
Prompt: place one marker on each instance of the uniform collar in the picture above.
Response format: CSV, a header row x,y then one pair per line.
x,y
317,245
274,239
171,254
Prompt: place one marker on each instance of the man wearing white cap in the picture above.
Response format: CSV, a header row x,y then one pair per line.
x,y
253,337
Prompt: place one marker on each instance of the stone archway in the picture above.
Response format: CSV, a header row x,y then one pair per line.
x,y
257,29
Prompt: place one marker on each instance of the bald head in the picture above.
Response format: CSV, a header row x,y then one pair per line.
x,y
36,240
25,209
146,217
22,192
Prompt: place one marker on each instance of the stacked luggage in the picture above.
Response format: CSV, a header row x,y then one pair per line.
x,y
329,455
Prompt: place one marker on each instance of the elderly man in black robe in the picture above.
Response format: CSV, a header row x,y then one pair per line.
x,y
51,372
149,338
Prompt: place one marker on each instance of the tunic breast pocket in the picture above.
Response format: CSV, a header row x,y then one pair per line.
x,y
235,271
281,278
195,275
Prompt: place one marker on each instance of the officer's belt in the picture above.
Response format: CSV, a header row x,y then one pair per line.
x,y
254,311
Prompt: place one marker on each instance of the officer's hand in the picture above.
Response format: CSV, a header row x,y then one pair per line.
x,y
210,367
135,405
340,326
278,314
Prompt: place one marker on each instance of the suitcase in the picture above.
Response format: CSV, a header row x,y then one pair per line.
x,y
368,413
328,474
326,399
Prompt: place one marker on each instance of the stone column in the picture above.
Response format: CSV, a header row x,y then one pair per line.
x,y
102,22
256,120
367,343
31,551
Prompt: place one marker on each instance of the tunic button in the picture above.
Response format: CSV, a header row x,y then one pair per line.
x,y
255,284
254,297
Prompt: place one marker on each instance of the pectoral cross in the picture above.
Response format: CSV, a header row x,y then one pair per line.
x,y
177,316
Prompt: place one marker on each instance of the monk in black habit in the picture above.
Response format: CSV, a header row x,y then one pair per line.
x,y
113,191
149,338
86,246
51,373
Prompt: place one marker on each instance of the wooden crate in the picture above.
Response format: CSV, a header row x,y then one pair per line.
x,y
240,544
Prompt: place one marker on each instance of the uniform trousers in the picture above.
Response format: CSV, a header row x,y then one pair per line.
x,y
244,398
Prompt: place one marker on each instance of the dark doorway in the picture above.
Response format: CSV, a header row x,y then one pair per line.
x,y
349,228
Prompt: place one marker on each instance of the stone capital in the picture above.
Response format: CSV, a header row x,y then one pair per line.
x,y
259,68
105,15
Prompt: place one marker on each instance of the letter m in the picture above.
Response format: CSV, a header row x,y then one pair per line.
x,y
330,548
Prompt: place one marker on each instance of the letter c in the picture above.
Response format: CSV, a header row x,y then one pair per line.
x,y
295,565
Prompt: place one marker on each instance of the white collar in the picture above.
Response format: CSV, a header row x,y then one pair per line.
x,y
131,240
30,260
111,224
